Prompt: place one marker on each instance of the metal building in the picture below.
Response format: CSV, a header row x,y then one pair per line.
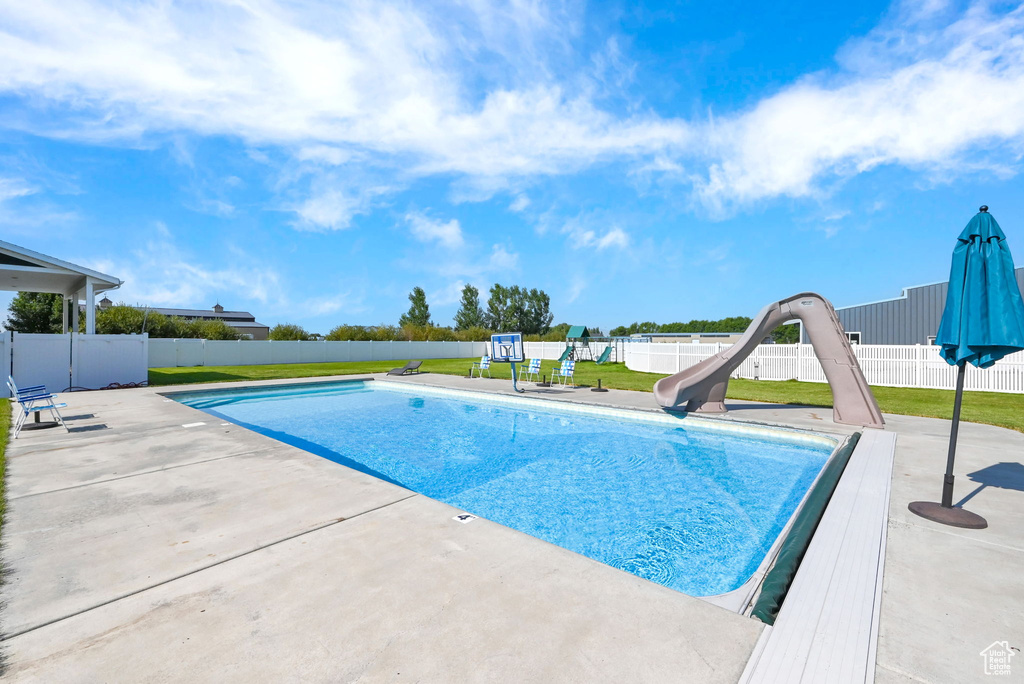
x,y
911,318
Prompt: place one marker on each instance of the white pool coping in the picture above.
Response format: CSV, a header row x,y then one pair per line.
x,y
827,628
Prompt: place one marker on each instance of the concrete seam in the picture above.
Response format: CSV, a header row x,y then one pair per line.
x,y
125,477
8,637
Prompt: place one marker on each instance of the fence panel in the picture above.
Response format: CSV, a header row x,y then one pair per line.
x,y
99,360
5,359
883,365
39,359
190,352
163,353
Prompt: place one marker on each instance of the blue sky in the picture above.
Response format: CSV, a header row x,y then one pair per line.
x,y
312,162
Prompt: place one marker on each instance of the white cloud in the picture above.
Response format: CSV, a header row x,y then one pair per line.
x,y
23,208
472,90
426,229
160,273
581,232
333,203
326,78
322,306
11,188
502,261
520,203
498,263
915,95
448,295
577,287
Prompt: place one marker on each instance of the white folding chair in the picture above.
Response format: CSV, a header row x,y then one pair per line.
x,y
530,370
484,364
564,373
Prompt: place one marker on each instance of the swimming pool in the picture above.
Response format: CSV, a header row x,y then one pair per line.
x,y
682,502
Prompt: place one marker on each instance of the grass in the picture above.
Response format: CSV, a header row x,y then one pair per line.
x,y
5,429
992,408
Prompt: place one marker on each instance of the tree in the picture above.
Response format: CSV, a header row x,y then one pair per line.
x,y
35,312
516,309
419,312
634,329
122,319
497,308
469,315
206,330
558,333
538,313
730,324
786,334
288,332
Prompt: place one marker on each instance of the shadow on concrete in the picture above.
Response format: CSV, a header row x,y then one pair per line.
x,y
795,407
80,416
1004,475
89,428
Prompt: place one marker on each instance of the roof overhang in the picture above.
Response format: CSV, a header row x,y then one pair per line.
x,y
22,270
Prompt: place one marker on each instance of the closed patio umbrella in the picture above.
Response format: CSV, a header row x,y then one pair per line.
x,y
983,321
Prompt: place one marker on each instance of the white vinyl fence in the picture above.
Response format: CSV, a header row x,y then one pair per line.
x,y
63,362
166,353
543,350
885,365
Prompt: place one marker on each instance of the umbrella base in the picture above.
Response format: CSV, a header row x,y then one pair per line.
x,y
957,517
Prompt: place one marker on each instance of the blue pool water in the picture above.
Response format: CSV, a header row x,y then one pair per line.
x,y
692,509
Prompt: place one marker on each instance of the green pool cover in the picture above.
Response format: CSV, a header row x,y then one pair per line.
x,y
777,581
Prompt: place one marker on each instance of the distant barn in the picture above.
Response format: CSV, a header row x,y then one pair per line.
x,y
912,318
242,321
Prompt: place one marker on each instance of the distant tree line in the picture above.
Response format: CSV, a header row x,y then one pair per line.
x,y
509,309
784,334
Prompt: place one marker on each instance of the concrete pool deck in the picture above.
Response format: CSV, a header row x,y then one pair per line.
x,y
139,549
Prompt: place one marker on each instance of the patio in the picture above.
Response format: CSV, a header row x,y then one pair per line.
x,y
140,548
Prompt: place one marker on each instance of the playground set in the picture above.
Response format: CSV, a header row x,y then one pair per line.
x,y
580,345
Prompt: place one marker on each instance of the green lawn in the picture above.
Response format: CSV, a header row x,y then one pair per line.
x,y
994,408
5,429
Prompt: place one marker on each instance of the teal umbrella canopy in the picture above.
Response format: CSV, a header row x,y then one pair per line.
x,y
984,316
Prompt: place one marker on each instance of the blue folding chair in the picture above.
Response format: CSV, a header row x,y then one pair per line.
x,y
34,399
484,364
564,373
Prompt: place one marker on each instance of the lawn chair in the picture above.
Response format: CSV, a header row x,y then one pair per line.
x,y
411,368
565,372
33,400
603,358
478,367
533,369
17,392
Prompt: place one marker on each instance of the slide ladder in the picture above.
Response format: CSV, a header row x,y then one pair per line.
x,y
702,387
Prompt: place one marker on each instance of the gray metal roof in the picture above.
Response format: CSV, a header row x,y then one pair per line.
x,y
205,313
246,324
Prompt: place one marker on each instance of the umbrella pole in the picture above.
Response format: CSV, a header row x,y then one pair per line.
x,y
944,512
947,483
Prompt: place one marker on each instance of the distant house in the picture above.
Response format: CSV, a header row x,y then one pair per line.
x,y
911,318
242,321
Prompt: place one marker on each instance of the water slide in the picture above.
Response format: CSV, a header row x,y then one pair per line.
x,y
702,387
